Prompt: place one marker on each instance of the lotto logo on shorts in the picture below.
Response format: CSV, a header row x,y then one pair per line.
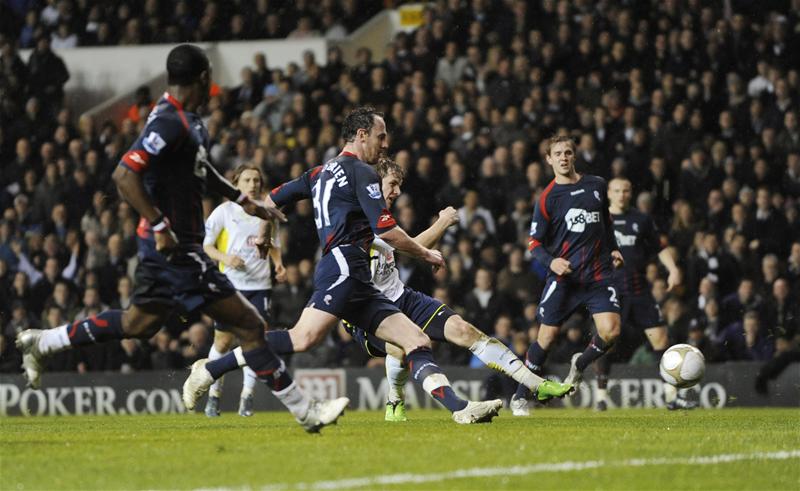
x,y
578,218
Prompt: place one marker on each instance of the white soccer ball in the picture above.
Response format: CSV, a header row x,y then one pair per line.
x,y
682,366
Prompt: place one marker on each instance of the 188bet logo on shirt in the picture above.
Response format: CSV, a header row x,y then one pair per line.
x,y
578,218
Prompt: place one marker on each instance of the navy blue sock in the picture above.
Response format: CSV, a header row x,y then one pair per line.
x,y
534,360
105,326
222,365
280,342
421,366
602,367
597,347
268,367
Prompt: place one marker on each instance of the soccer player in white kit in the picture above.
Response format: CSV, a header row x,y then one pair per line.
x,y
229,240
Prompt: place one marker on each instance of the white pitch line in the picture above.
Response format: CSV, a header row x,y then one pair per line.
x,y
518,470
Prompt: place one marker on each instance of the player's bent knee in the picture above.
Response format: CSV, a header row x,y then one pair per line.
x,y
460,332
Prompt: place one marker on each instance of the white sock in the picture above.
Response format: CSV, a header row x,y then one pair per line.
x,y
397,375
216,388
295,400
496,355
237,351
249,381
54,340
602,395
670,393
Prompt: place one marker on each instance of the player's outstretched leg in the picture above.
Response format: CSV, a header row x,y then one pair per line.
x,y
497,356
236,311
400,331
36,345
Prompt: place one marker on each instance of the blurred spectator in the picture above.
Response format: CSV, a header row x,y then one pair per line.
x,y
746,340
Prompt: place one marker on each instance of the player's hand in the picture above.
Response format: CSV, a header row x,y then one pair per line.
x,y
234,262
674,279
166,240
449,216
434,258
280,273
617,260
266,210
263,242
560,266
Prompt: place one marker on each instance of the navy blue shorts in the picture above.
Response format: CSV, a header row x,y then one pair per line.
x,y
561,298
425,311
187,279
260,299
343,288
641,312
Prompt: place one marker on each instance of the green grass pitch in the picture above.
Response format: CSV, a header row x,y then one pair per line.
x,y
553,449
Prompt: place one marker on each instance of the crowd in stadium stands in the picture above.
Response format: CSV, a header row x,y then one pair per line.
x,y
72,23
697,105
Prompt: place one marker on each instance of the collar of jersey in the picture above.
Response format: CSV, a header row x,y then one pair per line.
x,y
175,102
348,154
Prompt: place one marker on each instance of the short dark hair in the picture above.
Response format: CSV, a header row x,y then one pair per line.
x,y
387,166
360,118
185,63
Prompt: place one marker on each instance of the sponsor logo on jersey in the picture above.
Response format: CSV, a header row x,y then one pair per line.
x,y
578,218
625,240
575,193
597,196
374,190
153,143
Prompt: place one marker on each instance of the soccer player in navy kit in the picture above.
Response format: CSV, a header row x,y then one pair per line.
x,y
349,211
639,240
164,176
571,233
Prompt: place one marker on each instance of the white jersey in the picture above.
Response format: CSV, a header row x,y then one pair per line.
x,y
232,231
384,270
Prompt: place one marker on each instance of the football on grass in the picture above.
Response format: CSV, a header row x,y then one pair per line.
x,y
682,366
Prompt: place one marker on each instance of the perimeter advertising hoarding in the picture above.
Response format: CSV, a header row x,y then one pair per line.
x,y
724,385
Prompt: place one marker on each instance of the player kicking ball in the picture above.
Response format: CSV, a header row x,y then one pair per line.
x,y
572,234
436,319
638,240
229,241
349,210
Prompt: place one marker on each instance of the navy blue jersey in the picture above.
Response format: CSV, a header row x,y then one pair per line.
x,y
571,221
638,240
349,208
170,154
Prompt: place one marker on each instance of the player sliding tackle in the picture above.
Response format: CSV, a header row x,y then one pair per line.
x,y
349,210
436,319
164,176
572,234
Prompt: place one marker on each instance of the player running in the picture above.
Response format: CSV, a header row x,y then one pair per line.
x,y
638,240
436,319
230,234
572,234
349,210
164,177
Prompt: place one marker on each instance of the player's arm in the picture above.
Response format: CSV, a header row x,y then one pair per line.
x,y
447,218
540,223
666,254
616,255
214,226
275,255
147,151
383,223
